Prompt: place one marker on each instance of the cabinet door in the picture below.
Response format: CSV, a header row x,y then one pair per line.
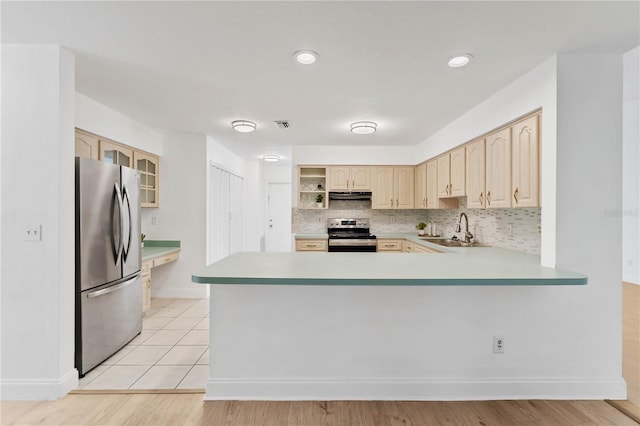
x,y
498,157
475,175
524,163
457,173
432,185
404,187
87,145
421,186
115,153
361,178
382,196
339,178
148,165
443,176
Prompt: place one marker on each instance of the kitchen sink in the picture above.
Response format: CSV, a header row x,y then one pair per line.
x,y
448,243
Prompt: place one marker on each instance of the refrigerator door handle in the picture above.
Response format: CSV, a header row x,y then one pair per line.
x,y
117,248
112,288
125,199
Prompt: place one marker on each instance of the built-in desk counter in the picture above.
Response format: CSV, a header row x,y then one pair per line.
x,y
155,253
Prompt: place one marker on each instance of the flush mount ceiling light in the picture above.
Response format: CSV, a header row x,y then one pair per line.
x,y
305,57
271,158
460,60
363,127
243,126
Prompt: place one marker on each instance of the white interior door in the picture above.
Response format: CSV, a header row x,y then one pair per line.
x,y
278,235
226,213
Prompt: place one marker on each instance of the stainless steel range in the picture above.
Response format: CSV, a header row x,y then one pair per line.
x,y
350,235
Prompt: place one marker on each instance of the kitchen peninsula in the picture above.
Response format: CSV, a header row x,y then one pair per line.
x,y
374,325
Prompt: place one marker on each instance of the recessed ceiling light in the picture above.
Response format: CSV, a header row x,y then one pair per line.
x,y
363,127
243,126
305,57
460,60
272,158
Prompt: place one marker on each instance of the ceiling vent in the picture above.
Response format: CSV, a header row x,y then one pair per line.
x,y
282,124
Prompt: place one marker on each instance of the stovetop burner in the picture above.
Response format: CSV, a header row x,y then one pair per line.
x,y
342,228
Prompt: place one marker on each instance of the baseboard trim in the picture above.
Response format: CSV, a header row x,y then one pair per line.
x,y
413,390
39,389
180,293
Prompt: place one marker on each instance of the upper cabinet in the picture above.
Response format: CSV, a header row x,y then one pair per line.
x,y
87,145
393,188
148,165
475,175
432,184
312,187
421,186
498,173
97,147
525,168
347,178
451,174
115,153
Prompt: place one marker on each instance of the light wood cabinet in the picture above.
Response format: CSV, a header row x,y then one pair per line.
x,y
148,165
312,182
349,178
421,186
87,145
475,175
417,248
311,245
498,172
451,174
387,245
404,187
115,153
525,179
382,196
408,246
146,284
433,201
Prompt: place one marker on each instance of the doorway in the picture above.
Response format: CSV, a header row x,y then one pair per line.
x,y
278,233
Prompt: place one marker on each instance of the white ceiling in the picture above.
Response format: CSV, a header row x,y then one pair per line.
x,y
196,66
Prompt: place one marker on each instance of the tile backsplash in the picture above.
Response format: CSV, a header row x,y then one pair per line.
x,y
489,226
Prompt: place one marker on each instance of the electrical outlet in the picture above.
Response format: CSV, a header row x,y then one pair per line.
x,y
154,220
392,219
510,230
319,219
33,233
539,229
498,344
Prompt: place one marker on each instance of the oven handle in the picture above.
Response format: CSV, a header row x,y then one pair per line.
x,y
351,242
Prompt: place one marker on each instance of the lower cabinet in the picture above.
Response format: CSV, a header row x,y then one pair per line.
x,y
311,245
386,245
146,285
145,274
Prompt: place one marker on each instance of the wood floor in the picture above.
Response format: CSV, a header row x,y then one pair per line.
x,y
190,409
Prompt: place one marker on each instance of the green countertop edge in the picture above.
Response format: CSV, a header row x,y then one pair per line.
x,y
162,243
393,282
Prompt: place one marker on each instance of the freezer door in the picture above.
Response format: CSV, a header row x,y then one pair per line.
x,y
131,222
107,318
98,223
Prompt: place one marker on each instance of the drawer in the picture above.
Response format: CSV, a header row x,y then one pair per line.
x,y
311,245
166,259
408,247
417,248
389,245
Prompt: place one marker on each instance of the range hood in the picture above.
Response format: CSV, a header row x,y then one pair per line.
x,y
352,196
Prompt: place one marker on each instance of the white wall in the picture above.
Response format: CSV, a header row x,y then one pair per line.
x,y
101,120
37,189
630,169
182,214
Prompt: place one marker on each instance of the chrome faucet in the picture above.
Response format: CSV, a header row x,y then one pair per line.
x,y
467,235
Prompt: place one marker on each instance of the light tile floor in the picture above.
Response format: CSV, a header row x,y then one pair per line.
x,y
172,352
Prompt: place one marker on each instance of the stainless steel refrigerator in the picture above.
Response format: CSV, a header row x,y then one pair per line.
x,y
108,259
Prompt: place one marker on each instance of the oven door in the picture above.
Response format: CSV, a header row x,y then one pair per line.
x,y
352,245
